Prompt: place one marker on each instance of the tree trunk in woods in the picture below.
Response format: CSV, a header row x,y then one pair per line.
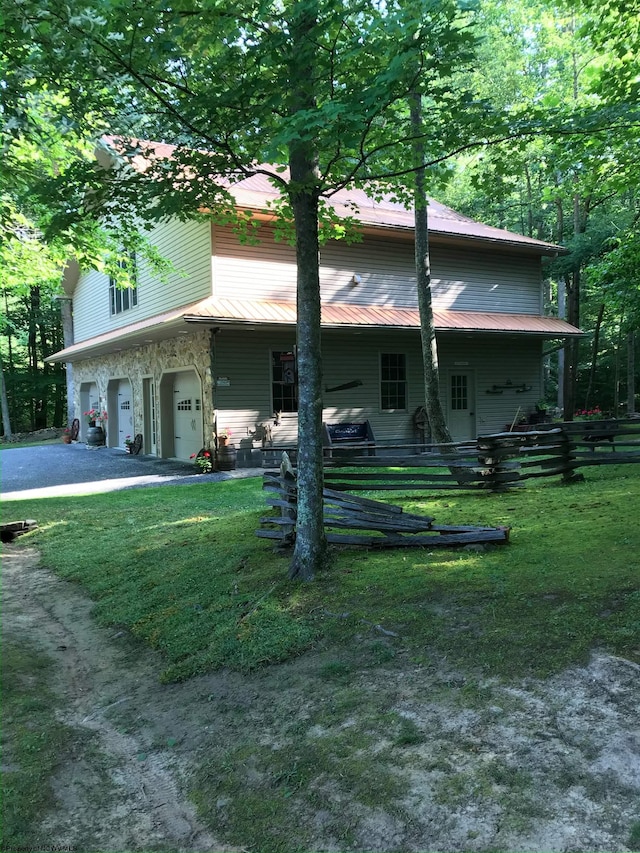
x,y
437,423
562,314
572,348
310,546
594,356
631,373
44,372
68,339
4,401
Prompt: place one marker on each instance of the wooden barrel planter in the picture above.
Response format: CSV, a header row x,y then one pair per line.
x,y
226,457
95,436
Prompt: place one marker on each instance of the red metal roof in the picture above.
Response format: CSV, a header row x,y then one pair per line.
x,y
257,193
237,312
336,315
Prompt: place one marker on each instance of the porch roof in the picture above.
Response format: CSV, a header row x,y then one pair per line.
x,y
344,315
243,314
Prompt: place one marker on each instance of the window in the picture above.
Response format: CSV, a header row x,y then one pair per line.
x,y
393,381
459,392
123,298
284,381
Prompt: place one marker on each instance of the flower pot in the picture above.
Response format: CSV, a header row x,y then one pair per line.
x,y
95,436
226,457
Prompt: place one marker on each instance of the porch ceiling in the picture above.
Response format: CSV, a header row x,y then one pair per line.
x,y
232,312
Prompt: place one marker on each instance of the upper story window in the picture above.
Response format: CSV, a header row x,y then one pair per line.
x,y
393,381
123,298
284,381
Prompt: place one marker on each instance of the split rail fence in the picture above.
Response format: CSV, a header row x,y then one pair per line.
x,y
495,463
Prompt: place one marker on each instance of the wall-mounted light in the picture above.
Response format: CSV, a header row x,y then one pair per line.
x,y
357,279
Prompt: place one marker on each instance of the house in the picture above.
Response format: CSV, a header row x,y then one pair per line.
x,y
215,346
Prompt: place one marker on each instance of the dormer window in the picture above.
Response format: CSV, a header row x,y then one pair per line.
x,y
124,298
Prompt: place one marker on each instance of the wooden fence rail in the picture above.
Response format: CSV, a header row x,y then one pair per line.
x,y
369,523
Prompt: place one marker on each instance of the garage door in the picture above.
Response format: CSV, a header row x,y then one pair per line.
x,y
187,414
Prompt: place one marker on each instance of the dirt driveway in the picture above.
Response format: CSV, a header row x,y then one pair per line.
x,y
523,766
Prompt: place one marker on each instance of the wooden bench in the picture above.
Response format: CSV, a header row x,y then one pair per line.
x,y
349,437
597,431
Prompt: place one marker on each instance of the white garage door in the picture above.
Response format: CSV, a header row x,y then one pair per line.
x,y
125,411
187,414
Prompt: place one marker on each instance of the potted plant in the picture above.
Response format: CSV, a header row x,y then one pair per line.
x,y
95,434
95,417
128,443
203,460
223,436
66,436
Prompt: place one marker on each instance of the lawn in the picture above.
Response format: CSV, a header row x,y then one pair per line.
x,y
182,570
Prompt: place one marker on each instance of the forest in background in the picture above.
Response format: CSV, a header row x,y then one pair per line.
x,y
577,188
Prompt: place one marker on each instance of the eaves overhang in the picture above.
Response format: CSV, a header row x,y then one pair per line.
x,y
232,313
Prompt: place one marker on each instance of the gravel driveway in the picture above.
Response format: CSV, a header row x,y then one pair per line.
x,y
76,469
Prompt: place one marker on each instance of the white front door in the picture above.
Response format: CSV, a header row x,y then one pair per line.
x,y
125,411
462,405
187,414
150,438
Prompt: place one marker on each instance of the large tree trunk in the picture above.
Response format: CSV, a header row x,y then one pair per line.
x,y
435,413
594,356
310,544
66,314
631,373
4,401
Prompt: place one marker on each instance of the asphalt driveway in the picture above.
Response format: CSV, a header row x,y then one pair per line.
x,y
76,469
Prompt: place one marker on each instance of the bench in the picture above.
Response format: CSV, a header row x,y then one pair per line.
x,y
597,431
348,436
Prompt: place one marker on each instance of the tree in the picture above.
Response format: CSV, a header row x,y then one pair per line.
x,y
435,413
569,188
317,85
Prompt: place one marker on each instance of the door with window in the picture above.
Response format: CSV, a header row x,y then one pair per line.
x,y
149,436
187,414
462,406
125,411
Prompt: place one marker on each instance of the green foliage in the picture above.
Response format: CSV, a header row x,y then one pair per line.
x,y
195,583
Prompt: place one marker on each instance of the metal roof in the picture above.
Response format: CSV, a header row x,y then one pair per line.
x,y
257,193
240,313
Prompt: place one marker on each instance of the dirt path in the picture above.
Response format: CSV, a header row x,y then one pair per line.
x,y
524,766
125,794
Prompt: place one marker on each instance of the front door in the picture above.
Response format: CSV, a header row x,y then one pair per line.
x,y
187,414
461,408
125,412
150,438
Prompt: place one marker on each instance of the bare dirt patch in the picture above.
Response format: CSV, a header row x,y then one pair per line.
x,y
468,763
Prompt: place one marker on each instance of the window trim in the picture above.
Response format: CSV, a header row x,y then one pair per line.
x,y
118,295
404,382
278,382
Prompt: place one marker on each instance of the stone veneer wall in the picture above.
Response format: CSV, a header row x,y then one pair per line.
x,y
152,360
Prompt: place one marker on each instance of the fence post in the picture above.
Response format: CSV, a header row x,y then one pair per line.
x,y
493,453
290,493
569,463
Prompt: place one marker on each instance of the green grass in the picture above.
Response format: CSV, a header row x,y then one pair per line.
x,y
13,445
34,743
181,568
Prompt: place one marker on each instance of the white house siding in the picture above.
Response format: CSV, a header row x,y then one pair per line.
x,y
494,360
243,374
466,280
186,244
153,361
